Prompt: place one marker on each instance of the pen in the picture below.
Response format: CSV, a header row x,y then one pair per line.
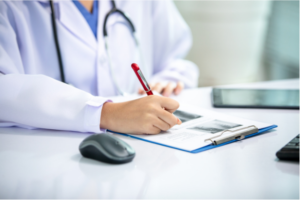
x,y
141,78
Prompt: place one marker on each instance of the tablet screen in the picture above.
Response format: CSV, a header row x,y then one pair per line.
x,y
256,98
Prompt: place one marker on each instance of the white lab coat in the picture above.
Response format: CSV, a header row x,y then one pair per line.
x,y
31,94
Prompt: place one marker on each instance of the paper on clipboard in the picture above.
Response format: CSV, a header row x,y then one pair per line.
x,y
198,126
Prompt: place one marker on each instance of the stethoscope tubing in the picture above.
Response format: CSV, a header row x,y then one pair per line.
x,y
60,63
112,11
105,34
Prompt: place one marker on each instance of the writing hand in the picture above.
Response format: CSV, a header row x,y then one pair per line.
x,y
149,115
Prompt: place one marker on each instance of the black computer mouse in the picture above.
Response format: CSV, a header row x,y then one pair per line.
x,y
106,148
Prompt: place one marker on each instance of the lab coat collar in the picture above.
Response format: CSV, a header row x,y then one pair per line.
x,y
72,19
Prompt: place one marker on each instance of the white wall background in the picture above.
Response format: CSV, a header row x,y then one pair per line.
x,y
229,39
281,59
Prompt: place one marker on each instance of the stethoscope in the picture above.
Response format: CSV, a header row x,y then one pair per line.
x,y
112,11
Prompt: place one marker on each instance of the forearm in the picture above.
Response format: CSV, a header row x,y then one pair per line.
x,y
42,102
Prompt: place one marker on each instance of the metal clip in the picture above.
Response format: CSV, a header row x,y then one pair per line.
x,y
239,136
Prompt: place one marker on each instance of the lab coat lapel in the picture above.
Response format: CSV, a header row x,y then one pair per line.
x,y
103,70
104,8
73,20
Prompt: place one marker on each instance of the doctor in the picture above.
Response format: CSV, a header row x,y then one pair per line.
x,y
32,94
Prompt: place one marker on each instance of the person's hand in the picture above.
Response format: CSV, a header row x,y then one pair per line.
x,y
165,90
147,115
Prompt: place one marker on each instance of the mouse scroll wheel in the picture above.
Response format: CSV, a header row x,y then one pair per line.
x,y
124,147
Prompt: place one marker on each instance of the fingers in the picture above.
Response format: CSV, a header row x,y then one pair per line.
x,y
168,118
154,130
178,88
164,90
141,91
162,125
168,104
168,90
158,87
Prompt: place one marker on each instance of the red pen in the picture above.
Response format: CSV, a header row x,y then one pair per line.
x,y
141,78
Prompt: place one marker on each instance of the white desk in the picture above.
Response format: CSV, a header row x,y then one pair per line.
x,y
47,164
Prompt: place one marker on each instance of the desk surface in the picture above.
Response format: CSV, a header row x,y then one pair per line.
x,y
47,164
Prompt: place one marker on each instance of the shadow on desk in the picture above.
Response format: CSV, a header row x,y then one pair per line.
x,y
287,167
140,172
94,169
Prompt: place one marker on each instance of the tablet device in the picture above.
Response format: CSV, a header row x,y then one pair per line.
x,y
255,98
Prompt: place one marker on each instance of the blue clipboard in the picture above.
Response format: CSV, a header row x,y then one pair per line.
x,y
205,148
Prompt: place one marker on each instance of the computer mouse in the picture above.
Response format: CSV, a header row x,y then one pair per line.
x,y
106,148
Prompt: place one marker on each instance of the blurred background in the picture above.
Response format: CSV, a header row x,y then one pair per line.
x,y
243,41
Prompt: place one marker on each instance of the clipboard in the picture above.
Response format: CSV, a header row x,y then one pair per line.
x,y
217,141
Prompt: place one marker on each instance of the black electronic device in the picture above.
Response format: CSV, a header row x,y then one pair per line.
x,y
106,148
290,151
255,98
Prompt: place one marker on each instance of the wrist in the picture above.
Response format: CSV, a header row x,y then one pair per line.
x,y
105,120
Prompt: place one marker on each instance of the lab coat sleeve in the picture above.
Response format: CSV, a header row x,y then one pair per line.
x,y
38,101
172,41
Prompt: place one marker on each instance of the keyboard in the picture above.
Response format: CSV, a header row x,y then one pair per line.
x,y
290,151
